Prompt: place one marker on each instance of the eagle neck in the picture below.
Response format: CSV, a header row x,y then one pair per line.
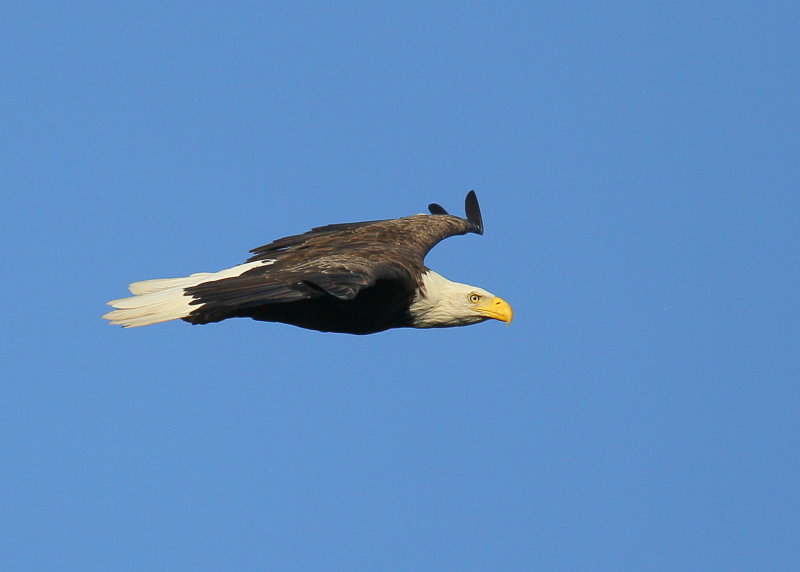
x,y
430,307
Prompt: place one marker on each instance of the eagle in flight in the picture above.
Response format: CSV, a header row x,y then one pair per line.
x,y
356,278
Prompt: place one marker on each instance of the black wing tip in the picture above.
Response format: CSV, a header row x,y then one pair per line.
x,y
474,212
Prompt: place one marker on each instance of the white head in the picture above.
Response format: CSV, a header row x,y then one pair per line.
x,y
442,303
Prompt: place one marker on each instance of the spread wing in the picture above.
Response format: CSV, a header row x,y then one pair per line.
x,y
337,260
414,235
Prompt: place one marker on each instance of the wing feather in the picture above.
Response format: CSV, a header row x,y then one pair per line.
x,y
337,260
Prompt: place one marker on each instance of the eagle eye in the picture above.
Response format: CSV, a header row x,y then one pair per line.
x,y
474,298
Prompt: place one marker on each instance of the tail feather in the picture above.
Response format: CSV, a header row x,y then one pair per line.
x,y
164,299
158,284
146,309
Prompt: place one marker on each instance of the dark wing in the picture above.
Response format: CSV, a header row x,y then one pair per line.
x,y
417,234
338,260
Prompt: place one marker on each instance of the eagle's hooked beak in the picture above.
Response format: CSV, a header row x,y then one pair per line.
x,y
497,309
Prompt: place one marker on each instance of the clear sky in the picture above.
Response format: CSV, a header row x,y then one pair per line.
x,y
638,165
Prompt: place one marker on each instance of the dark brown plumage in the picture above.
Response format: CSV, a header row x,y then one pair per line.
x,y
359,278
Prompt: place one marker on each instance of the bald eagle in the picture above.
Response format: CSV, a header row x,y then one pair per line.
x,y
357,278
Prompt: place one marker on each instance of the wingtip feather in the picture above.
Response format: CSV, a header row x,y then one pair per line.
x,y
473,210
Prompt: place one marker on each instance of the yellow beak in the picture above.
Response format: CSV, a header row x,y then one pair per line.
x,y
497,309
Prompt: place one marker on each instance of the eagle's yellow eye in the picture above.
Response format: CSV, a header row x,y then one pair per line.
x,y
474,298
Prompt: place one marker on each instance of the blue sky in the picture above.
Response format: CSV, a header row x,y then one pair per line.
x,y
637,166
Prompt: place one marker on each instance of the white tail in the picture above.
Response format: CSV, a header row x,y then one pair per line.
x,y
164,299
